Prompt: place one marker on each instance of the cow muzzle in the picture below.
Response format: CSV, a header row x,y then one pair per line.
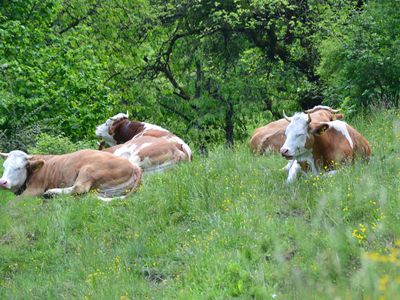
x,y
3,183
285,153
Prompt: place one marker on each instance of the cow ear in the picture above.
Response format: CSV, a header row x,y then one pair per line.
x,y
319,129
338,116
36,165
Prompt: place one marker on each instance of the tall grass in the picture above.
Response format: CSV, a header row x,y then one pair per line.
x,y
220,227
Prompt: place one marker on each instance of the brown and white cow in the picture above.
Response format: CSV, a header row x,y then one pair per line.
x,y
75,173
149,146
321,144
271,137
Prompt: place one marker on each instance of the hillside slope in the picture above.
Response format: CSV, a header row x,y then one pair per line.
x,y
220,227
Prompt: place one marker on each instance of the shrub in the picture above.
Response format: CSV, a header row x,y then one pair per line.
x,y
47,144
363,65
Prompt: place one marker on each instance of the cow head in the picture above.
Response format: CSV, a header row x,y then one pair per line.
x,y
300,135
328,112
105,130
17,166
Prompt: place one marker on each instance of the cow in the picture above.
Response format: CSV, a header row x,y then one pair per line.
x,y
79,172
271,137
150,146
320,144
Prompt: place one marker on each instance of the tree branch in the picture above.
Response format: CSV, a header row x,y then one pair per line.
x,y
76,22
173,110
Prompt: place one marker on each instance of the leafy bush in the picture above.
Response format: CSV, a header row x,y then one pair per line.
x,y
47,144
362,60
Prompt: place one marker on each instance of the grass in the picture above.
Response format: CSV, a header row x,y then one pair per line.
x,y
221,227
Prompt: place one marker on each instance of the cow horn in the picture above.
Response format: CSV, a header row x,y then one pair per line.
x,y
3,155
286,117
309,118
310,110
29,156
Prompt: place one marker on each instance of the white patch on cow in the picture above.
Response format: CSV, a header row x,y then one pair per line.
x,y
342,128
119,116
103,130
57,191
130,151
15,170
148,126
320,107
135,160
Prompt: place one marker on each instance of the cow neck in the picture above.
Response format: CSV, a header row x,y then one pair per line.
x,y
30,173
136,127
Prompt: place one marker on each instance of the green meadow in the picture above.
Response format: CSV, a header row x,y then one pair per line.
x,y
224,226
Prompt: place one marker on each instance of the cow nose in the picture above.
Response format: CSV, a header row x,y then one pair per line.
x,y
284,151
3,182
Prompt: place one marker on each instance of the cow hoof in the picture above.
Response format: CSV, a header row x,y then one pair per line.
x,y
48,196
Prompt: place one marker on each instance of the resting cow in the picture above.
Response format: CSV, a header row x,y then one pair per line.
x,y
75,173
149,146
272,136
321,144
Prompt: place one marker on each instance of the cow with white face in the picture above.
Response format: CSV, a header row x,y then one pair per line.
x,y
320,144
150,146
104,129
271,137
74,173
16,169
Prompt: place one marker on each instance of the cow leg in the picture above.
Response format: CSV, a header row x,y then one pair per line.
x,y
293,171
75,189
313,167
331,173
53,192
289,165
82,184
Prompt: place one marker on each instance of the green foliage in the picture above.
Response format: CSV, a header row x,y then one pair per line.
x,y
47,144
56,80
222,227
361,60
208,71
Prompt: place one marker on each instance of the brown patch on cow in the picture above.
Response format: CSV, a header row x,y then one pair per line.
x,y
113,148
161,151
271,136
124,130
332,147
156,133
309,141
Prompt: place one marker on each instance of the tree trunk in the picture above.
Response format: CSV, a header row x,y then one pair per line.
x,y
229,123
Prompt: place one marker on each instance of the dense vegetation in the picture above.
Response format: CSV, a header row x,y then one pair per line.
x,y
210,71
222,227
